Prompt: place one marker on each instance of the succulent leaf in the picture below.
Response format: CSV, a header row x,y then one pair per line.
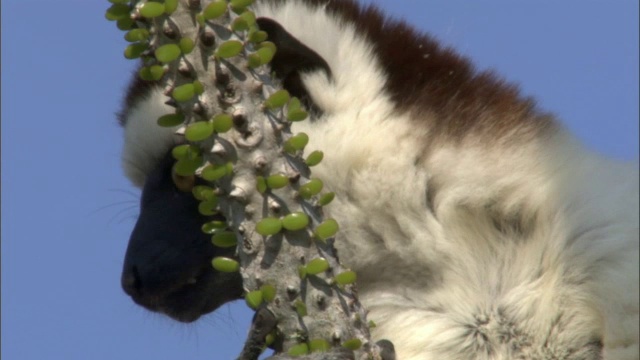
x,y
295,221
225,264
317,266
224,239
152,9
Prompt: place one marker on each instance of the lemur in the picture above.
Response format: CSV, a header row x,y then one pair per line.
x,y
478,226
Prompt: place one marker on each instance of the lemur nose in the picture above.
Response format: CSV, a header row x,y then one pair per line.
x,y
130,281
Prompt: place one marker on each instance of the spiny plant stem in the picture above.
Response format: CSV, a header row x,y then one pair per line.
x,y
212,61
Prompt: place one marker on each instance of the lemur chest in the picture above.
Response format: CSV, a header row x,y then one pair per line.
x,y
473,304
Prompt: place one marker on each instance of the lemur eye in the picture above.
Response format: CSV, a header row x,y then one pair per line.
x,y
183,183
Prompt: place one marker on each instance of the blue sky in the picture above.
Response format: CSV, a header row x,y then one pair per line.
x,y
67,210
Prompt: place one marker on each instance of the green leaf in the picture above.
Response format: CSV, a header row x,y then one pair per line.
x,y
269,226
265,54
268,292
225,264
297,115
212,227
199,131
151,73
258,36
345,277
298,350
327,229
270,339
213,172
134,51
198,88
302,272
277,100
352,344
168,52
170,6
268,45
294,104
186,45
296,143
241,3
204,192
295,221
239,24
253,299
314,158
319,345
214,10
229,49
326,199
118,12
208,207
224,239
310,189
152,9
136,35
301,308
261,184
317,266
183,92
249,17
171,120
277,181
185,151
222,123
125,24
186,166
201,20
253,61
145,74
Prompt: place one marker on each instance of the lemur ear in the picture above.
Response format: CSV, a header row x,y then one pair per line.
x,y
291,59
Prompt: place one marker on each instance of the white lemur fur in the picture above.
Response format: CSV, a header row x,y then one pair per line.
x,y
479,228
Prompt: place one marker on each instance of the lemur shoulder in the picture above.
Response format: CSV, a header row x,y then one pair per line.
x,y
479,228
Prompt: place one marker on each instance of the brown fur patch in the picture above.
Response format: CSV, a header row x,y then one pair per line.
x,y
136,91
437,84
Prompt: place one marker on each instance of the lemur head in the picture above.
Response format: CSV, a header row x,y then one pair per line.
x,y
167,266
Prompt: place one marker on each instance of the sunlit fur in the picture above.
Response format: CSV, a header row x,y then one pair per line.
x,y
518,247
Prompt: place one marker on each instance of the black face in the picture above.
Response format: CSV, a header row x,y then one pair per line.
x,y
167,267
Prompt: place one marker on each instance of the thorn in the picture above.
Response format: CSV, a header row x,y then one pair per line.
x,y
259,163
238,194
218,149
320,300
169,31
172,103
199,109
222,77
249,210
292,290
239,120
336,336
207,38
184,69
274,206
180,131
294,177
